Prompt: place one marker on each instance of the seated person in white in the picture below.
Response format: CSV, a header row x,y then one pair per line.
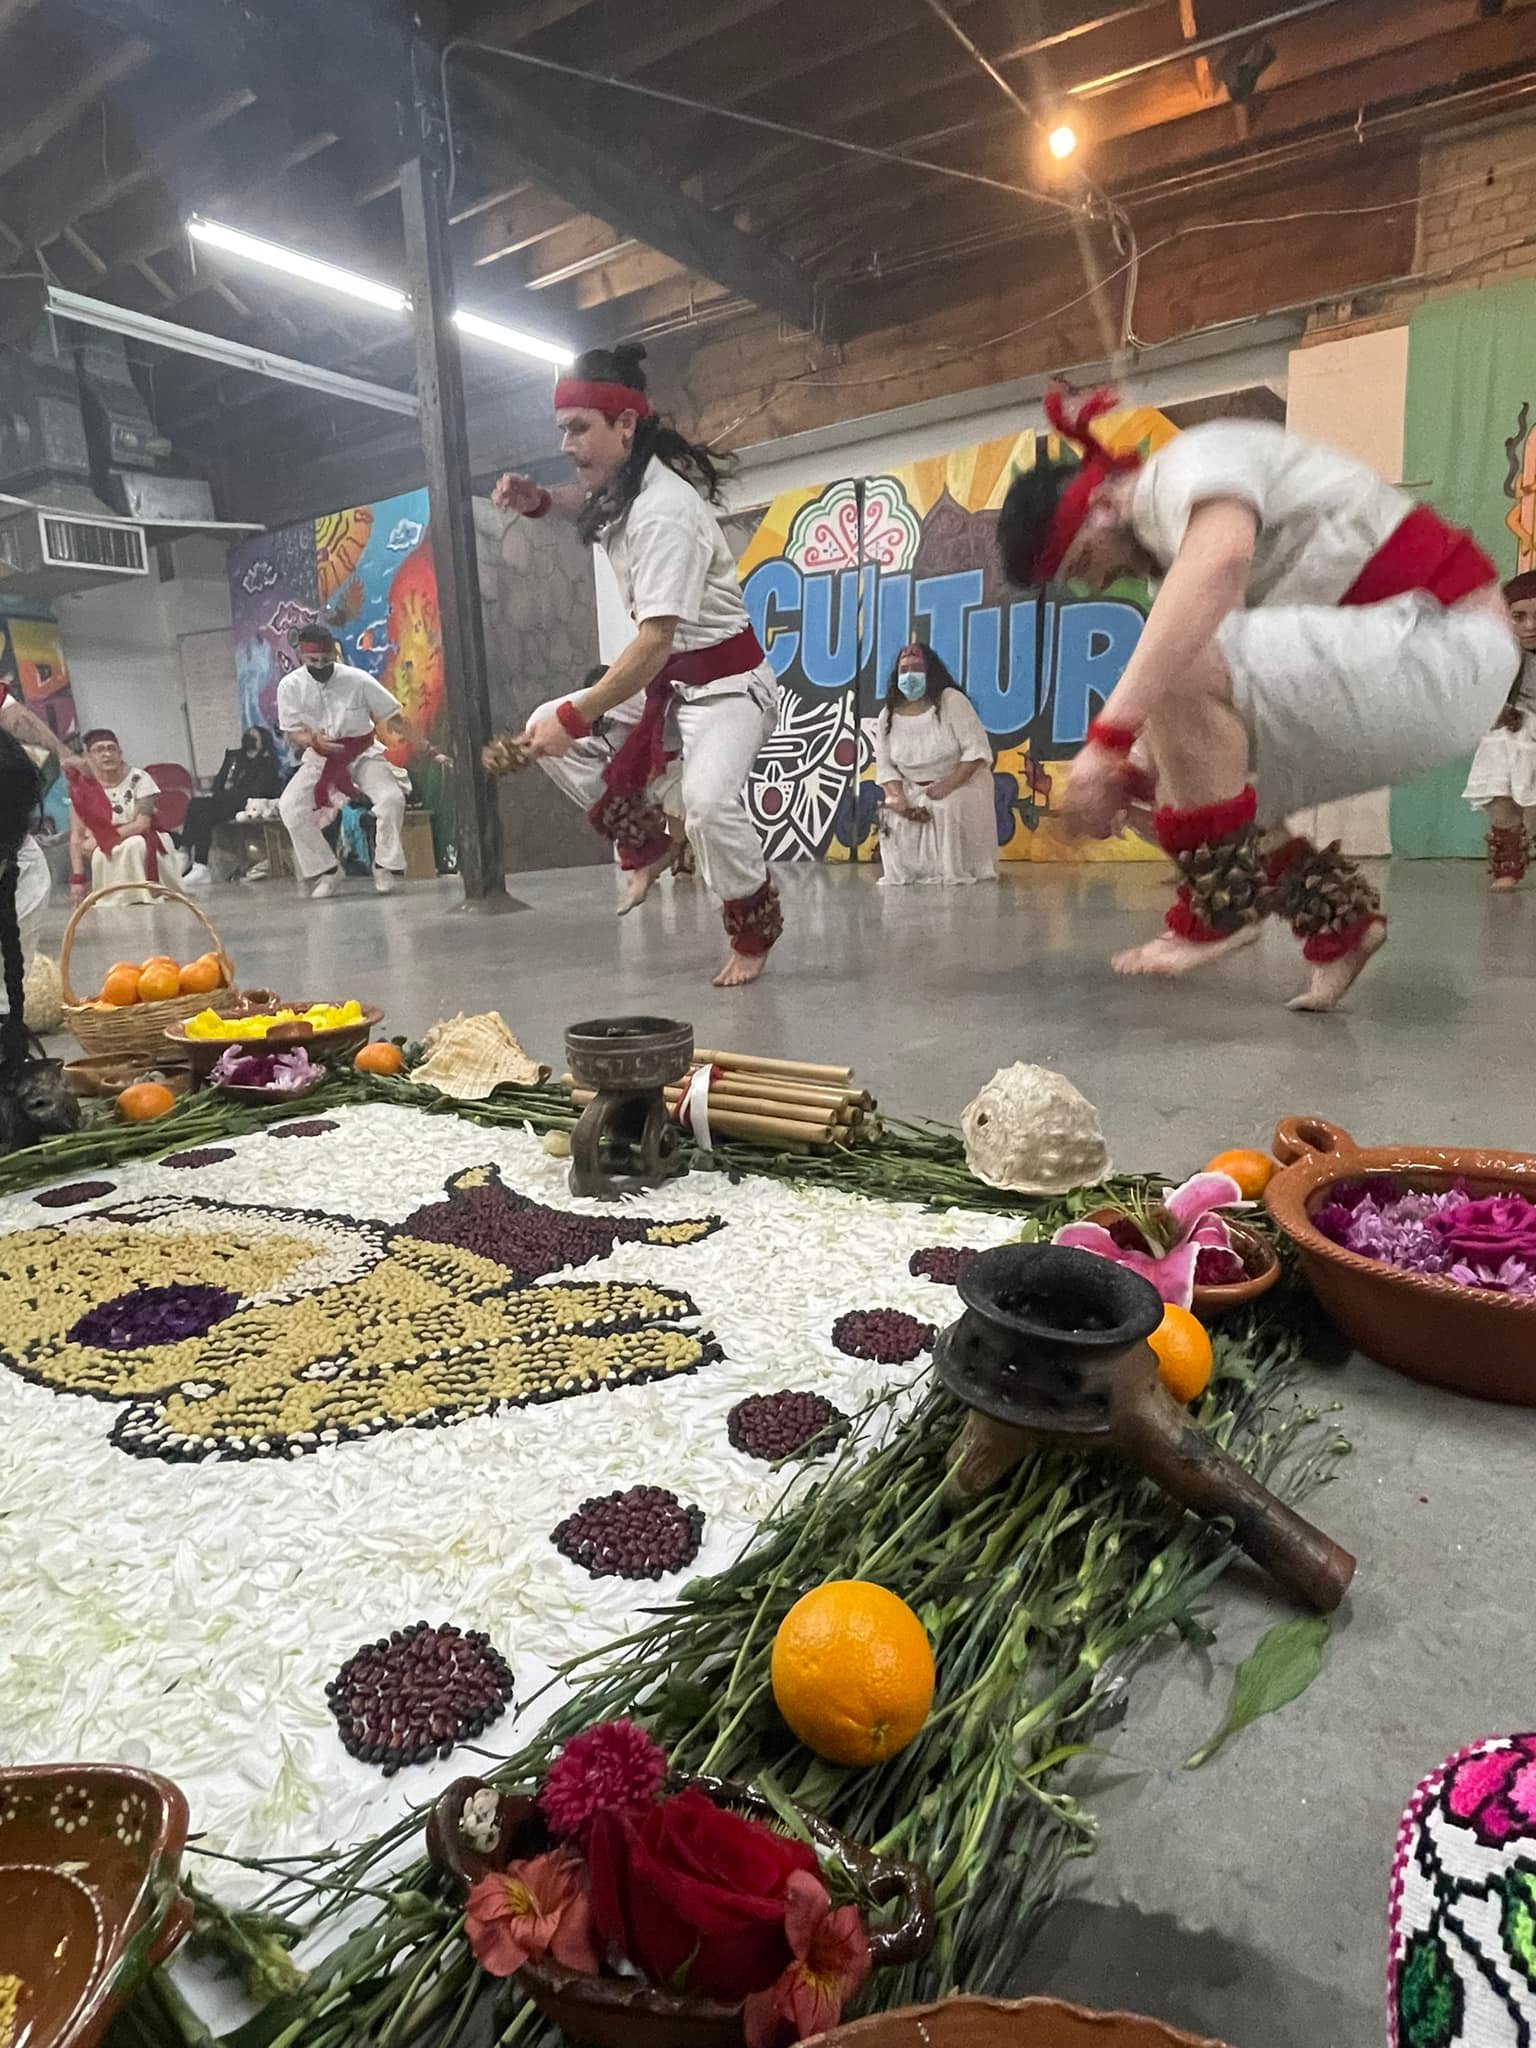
x,y
1503,777
330,711
113,825
934,762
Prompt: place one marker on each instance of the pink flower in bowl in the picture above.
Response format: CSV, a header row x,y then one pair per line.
x,y
1192,1225
1493,1792
1488,1232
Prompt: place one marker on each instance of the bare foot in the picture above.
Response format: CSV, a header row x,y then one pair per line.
x,y
1331,978
740,968
1502,885
641,881
1171,956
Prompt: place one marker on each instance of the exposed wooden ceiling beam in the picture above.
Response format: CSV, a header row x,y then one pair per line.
x,y
507,229
59,98
509,127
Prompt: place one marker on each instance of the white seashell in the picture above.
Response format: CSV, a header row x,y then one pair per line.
x,y
1031,1132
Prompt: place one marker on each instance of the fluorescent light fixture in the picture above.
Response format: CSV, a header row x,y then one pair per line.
x,y
511,337
1061,142
235,242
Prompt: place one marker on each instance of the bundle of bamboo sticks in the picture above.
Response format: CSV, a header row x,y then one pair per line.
x,y
786,1104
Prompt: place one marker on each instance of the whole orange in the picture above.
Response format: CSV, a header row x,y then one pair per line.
x,y
121,987
199,977
852,1672
144,1101
1183,1350
380,1058
1253,1171
158,960
159,981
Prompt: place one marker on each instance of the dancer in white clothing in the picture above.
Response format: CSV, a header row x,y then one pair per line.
x,y
1503,777
677,720
933,761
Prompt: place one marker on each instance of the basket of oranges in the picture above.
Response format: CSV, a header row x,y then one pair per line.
x,y
128,1015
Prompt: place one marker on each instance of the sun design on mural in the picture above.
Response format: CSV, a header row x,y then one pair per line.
x,y
255,1332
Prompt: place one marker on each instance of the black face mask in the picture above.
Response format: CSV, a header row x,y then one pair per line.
x,y
322,675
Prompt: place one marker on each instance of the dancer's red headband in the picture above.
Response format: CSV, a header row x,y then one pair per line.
x,y
608,398
1098,464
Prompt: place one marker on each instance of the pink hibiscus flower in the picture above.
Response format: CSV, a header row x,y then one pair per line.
x,y
531,1910
1193,1227
831,1961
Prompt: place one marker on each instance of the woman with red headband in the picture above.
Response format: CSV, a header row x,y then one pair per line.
x,y
682,713
1315,635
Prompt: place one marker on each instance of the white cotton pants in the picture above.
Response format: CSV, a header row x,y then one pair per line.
x,y
372,775
128,862
720,728
32,885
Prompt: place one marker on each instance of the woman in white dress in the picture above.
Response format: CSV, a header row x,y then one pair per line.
x,y
933,761
114,824
1503,778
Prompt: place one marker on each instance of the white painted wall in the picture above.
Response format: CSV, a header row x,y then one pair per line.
x,y
121,644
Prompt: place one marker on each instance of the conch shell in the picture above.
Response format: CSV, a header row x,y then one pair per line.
x,y
470,1057
1030,1131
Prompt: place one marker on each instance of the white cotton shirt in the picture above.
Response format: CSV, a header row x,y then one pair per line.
x,y
137,786
1322,515
671,560
346,707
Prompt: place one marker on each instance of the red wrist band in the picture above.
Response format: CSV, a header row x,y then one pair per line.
x,y
78,877
546,499
572,720
1114,739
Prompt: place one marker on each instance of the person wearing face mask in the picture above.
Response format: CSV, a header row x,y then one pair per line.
x,y
677,720
330,711
934,763
1503,778
249,770
1315,635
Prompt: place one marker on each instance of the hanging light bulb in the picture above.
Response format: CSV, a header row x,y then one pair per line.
x,y
1061,142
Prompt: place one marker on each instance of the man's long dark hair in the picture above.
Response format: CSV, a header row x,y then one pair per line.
x,y
705,468
938,675
1026,515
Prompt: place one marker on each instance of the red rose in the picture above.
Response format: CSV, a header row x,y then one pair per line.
x,y
694,1896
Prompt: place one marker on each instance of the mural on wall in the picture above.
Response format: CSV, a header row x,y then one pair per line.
x,y
33,668
367,573
837,580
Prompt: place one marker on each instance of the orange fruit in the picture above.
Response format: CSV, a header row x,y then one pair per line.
x,y
144,1101
159,981
381,1058
852,1672
1253,1171
199,977
158,960
1183,1350
121,986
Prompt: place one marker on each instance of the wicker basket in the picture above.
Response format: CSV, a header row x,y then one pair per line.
x,y
137,1030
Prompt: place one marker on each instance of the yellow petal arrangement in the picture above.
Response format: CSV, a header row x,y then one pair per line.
x,y
323,1016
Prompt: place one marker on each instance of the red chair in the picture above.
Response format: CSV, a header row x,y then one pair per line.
x,y
176,792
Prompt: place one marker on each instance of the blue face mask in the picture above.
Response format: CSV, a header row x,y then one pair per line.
x,y
912,682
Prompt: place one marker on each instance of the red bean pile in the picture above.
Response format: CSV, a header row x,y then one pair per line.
x,y
72,1192
941,1263
774,1426
639,1534
311,1127
200,1155
886,1334
412,1695
529,1239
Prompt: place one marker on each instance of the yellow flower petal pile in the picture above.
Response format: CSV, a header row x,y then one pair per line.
x,y
323,1016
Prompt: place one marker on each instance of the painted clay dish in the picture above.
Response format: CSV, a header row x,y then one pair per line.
x,y
89,1855
994,2023
320,1045
620,2012
1469,1339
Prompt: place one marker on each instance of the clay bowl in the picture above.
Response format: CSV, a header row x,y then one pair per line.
x,y
1260,1260
89,1855
204,1052
994,2023
238,1093
98,1077
1466,1338
629,1052
619,2012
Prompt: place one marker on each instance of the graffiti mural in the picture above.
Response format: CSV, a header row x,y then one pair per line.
x,y
33,668
367,573
837,580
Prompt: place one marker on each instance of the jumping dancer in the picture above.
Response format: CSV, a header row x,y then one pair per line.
x,y
677,720
1503,778
1315,635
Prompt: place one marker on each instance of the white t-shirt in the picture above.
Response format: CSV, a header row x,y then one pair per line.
x,y
137,786
1322,515
344,708
671,560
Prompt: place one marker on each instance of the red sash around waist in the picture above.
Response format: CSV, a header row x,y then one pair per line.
x,y
335,784
643,755
94,806
1423,554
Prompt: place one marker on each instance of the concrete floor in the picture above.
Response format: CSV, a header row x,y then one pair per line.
x,y
1246,1900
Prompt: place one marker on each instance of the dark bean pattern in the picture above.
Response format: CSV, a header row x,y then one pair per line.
x,y
941,1263
885,1334
72,1192
200,1155
414,1694
641,1533
774,1426
153,1315
311,1127
531,1240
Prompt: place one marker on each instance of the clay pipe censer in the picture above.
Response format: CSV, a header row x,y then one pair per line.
x,y
625,1138
1052,1349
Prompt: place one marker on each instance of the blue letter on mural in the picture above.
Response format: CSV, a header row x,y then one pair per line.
x,y
945,600
774,585
830,664
1094,645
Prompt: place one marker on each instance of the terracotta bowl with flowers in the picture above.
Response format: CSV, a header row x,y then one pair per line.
x,y
639,1908
1425,1258
1191,1245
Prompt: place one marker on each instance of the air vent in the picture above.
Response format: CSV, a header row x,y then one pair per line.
x,y
83,544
